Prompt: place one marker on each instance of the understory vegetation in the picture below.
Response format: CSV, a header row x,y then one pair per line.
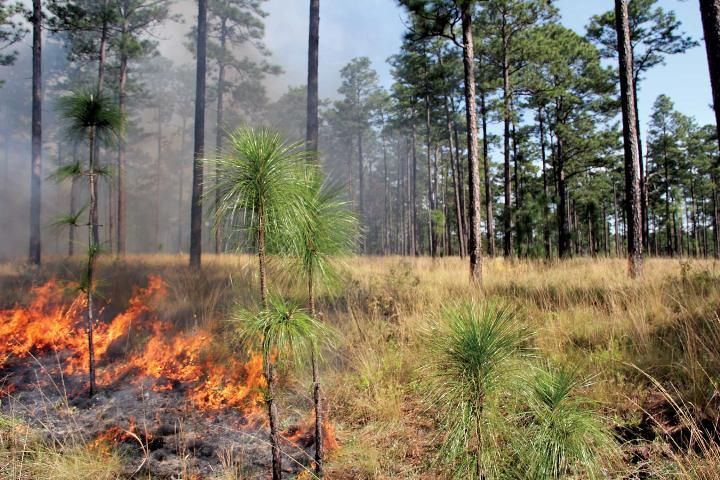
x,y
549,370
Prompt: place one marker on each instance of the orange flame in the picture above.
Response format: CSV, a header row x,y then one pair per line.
x,y
303,434
48,324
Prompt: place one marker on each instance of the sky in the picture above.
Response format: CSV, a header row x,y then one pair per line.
x,y
374,28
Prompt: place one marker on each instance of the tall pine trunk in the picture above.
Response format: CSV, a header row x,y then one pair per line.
x,y
313,121
630,138
102,57
93,246
73,208
489,213
121,202
546,196
219,125
36,160
312,138
475,238
507,209
432,240
199,148
710,13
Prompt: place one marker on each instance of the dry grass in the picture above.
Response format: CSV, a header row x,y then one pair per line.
x,y
657,336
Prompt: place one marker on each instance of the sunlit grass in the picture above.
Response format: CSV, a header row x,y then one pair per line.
x,y
586,315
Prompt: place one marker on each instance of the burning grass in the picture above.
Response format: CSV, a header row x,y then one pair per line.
x,y
168,361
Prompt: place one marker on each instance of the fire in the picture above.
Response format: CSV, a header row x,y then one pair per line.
x,y
151,349
45,324
303,434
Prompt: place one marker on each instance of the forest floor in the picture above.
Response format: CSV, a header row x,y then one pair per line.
x,y
179,398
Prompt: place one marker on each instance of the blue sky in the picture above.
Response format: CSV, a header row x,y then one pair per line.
x,y
373,28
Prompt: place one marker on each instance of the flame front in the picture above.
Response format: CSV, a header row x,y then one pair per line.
x,y
149,347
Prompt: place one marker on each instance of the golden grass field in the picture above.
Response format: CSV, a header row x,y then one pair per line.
x,y
648,347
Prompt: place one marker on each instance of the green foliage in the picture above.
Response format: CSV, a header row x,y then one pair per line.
x,y
69,171
328,230
473,357
284,331
84,111
260,180
564,434
71,219
655,34
11,31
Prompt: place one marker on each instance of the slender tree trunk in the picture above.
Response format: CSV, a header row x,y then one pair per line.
x,y
102,58
412,178
475,238
489,213
312,135
564,248
361,176
606,233
93,245
269,363
695,229
73,208
387,211
121,201
317,392
432,243
617,222
457,189
669,239
199,149
710,13
641,159
546,196
716,220
273,418
507,210
36,161
632,160
219,134
181,185
313,123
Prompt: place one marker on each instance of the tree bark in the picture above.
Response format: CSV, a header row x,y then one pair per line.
x,y
546,196
716,220
199,148
632,160
313,121
317,393
507,209
432,241
273,418
710,13
475,236
564,247
312,136
121,202
412,178
361,175
219,134
71,230
489,213
93,246
36,154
